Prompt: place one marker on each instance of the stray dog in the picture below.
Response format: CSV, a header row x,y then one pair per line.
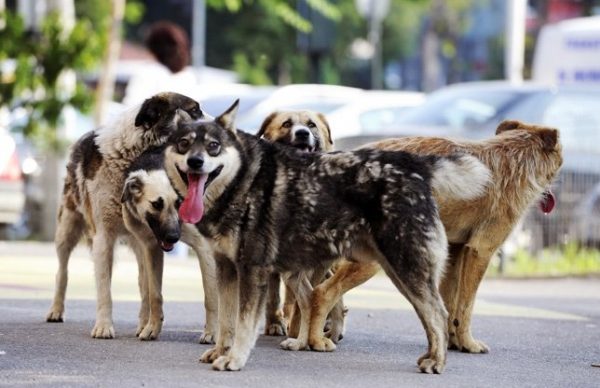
x,y
308,131
523,160
93,188
150,208
264,207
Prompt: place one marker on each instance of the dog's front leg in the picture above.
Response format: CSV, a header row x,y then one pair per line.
x,y
275,323
103,253
208,272
144,312
227,288
299,284
252,290
154,264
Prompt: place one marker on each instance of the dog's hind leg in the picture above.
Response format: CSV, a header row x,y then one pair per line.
x,y
415,266
300,285
227,288
275,323
348,275
449,289
252,294
70,228
103,253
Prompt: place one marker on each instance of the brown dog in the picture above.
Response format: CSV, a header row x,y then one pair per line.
x,y
309,132
523,160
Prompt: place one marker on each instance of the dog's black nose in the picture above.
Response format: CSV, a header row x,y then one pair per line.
x,y
195,162
172,237
302,134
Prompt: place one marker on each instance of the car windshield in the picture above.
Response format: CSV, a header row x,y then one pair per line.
x,y
460,109
578,118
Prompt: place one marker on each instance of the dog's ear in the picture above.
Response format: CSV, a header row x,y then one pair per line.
x,y
508,125
151,112
133,189
265,124
321,117
227,119
549,138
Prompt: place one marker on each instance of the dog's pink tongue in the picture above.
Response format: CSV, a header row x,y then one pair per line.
x,y
547,202
192,208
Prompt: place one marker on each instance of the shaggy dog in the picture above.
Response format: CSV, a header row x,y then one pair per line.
x,y
91,201
263,207
523,160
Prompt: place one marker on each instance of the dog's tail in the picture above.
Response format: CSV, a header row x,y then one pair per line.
x,y
460,177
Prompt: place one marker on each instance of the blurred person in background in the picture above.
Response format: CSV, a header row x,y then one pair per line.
x,y
170,45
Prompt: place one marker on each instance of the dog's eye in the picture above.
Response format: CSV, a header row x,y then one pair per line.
x,y
287,124
213,148
178,203
158,204
183,144
311,124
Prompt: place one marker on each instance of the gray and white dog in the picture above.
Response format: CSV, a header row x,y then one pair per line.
x,y
91,201
264,207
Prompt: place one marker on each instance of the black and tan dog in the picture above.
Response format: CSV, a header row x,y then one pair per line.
x,y
264,207
91,201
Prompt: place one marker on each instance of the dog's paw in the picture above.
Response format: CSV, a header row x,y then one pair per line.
x,y
103,330
212,354
430,365
335,332
224,363
277,328
471,345
293,344
54,315
322,344
151,331
207,338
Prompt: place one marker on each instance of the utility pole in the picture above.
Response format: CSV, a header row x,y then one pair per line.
x,y
198,33
514,50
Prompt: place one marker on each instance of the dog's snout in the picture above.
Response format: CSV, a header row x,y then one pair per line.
x,y
195,162
302,134
172,237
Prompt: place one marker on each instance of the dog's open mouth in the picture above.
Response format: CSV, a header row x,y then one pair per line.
x,y
192,208
547,202
166,246
304,147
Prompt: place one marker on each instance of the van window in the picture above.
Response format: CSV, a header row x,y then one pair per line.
x,y
577,116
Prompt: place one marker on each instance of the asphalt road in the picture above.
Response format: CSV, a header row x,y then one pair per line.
x,y
542,333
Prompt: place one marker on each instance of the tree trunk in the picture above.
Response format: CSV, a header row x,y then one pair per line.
x,y
106,80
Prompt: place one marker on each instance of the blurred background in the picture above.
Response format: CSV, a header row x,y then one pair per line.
x,y
376,68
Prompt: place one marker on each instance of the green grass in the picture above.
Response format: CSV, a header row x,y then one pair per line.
x,y
570,260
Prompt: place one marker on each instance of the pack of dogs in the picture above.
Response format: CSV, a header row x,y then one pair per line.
x,y
282,205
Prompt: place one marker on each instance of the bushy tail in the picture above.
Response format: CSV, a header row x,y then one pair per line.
x,y
460,177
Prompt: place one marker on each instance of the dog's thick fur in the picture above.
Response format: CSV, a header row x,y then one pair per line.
x,y
308,131
523,160
91,202
265,207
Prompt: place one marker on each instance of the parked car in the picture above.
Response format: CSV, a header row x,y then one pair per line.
x,y
12,194
372,112
474,110
320,98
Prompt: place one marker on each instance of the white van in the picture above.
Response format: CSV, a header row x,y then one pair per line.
x,y
568,52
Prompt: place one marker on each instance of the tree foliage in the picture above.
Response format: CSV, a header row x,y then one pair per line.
x,y
40,60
